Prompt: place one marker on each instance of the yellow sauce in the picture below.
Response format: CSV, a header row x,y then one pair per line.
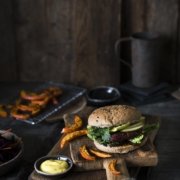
x,y
52,166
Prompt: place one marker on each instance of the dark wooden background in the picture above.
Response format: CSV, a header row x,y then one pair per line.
x,y
72,41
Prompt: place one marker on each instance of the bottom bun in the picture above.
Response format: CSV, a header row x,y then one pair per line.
x,y
119,149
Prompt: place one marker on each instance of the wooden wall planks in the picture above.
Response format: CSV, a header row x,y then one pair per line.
x,y
163,17
178,46
44,39
72,41
159,16
8,68
61,39
96,28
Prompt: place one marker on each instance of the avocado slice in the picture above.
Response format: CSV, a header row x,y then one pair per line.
x,y
134,127
137,139
120,127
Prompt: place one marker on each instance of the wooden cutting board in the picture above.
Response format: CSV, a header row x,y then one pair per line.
x,y
144,156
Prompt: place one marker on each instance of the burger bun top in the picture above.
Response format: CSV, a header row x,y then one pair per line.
x,y
113,115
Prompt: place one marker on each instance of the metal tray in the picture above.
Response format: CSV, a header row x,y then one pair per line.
x,y
70,94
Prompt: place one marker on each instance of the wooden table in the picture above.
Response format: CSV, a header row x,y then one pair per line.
x,y
167,143
47,134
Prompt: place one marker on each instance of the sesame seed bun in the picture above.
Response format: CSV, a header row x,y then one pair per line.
x,y
113,115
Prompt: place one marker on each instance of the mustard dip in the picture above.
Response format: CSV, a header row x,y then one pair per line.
x,y
52,166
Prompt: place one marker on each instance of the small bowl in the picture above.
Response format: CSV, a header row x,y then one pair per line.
x,y
103,95
12,163
58,157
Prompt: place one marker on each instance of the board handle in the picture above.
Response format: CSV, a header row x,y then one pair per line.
x,y
121,166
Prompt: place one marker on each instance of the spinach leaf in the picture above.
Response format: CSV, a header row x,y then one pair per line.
x,y
102,135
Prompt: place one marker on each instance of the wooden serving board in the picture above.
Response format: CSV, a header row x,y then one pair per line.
x,y
144,156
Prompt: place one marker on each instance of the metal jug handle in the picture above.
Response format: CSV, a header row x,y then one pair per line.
x,y
116,47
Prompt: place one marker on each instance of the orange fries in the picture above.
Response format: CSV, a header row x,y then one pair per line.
x,y
70,136
85,154
73,127
100,153
112,168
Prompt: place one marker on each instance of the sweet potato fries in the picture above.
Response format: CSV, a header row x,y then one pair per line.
x,y
30,104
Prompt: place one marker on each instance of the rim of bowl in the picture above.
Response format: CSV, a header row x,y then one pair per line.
x,y
42,159
20,151
116,97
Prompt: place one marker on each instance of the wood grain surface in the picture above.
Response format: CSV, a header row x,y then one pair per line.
x,y
67,41
96,28
152,15
8,62
72,41
44,42
145,156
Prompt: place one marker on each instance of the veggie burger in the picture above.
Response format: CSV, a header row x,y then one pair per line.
x,y
117,128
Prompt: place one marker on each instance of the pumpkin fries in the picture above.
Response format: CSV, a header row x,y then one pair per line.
x,y
70,136
73,127
30,104
112,168
91,154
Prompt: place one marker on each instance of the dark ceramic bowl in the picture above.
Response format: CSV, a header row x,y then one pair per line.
x,y
13,162
58,157
103,95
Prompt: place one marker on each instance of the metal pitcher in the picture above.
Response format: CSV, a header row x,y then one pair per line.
x,y
146,50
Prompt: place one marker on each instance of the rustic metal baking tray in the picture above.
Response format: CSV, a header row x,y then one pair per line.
x,y
70,94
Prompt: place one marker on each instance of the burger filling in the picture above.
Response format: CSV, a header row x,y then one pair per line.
x,y
121,134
